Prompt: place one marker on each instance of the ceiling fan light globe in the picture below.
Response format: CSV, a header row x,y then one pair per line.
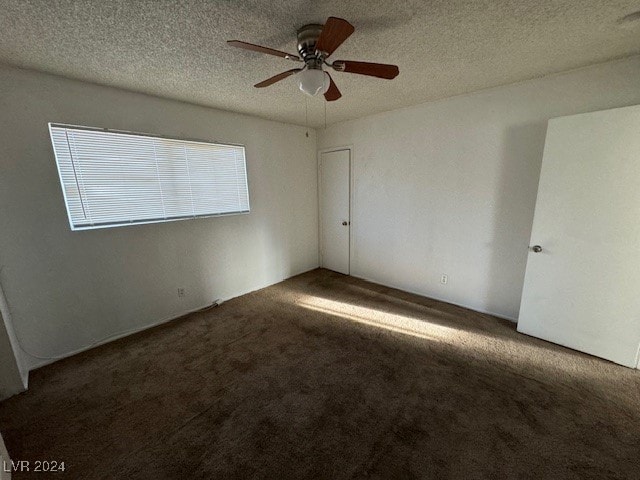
x,y
326,84
313,81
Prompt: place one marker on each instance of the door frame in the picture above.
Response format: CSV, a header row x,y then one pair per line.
x,y
350,149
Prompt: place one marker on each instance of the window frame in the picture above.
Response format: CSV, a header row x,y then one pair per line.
x,y
74,228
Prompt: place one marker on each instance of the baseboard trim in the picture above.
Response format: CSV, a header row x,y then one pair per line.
x,y
41,362
439,299
112,338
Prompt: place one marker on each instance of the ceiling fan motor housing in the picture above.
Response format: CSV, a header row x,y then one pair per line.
x,y
307,40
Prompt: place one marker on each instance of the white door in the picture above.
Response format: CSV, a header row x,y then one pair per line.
x,y
335,223
583,289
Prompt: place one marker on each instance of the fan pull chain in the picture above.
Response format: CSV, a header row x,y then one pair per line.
x,y
306,115
325,114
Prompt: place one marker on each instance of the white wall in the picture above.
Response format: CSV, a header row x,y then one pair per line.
x,y
450,186
66,290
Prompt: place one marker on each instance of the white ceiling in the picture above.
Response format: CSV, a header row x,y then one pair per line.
x,y
177,49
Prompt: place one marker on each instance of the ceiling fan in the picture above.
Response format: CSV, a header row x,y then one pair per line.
x,y
315,44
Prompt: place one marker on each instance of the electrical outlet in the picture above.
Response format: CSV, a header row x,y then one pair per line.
x,y
181,292
444,279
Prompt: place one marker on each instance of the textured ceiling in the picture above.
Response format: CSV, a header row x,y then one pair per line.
x,y
177,49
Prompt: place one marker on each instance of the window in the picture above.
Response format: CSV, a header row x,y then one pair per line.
x,y
116,178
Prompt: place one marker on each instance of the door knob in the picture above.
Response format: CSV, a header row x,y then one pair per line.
x,y
536,249
344,223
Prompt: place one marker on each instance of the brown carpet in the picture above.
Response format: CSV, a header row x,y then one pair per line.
x,y
326,376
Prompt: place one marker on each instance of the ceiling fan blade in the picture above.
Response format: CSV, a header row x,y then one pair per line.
x,y
380,70
277,78
334,32
333,93
258,48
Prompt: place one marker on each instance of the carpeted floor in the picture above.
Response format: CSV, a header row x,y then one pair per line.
x,y
326,376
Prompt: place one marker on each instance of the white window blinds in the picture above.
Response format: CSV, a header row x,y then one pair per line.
x,y
113,178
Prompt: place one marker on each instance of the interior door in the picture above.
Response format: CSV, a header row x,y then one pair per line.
x,y
335,225
582,283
